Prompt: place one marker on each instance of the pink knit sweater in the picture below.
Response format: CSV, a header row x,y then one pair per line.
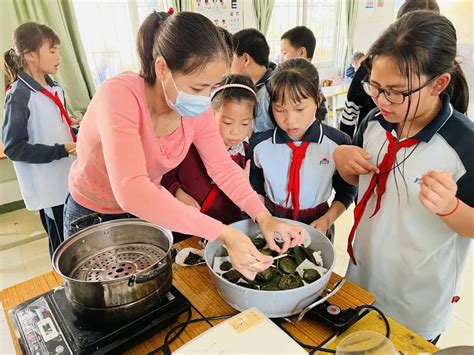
x,y
120,162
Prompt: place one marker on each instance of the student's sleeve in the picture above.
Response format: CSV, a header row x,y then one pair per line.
x,y
356,99
15,136
257,178
358,138
124,156
170,181
345,193
466,188
221,168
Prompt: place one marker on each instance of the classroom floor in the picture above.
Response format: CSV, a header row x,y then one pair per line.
x,y
24,255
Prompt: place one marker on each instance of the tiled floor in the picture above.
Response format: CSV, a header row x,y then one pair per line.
x,y
28,260
19,227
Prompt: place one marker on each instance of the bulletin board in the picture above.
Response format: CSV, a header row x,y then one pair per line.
x,y
228,14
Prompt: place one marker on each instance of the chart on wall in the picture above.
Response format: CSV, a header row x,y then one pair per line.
x,y
224,13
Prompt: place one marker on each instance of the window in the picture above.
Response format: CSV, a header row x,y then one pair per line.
x,y
320,16
108,30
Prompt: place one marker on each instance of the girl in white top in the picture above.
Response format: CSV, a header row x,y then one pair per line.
x,y
412,159
37,132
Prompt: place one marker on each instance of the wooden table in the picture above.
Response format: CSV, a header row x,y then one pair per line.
x,y
195,284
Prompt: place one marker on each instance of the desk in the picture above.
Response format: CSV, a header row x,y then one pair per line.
x,y
195,284
332,93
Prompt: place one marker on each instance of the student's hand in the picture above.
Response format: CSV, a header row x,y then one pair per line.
x,y
438,192
321,224
353,160
246,170
186,198
244,256
291,235
70,148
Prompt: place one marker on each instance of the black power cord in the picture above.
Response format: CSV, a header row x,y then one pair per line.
x,y
180,327
314,348
165,348
385,320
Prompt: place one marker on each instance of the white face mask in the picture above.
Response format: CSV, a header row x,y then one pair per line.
x,y
187,105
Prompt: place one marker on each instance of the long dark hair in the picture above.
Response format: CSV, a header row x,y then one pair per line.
x,y
187,41
28,37
424,43
296,76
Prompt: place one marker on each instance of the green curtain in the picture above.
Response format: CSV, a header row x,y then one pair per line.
x,y
351,9
74,75
182,5
263,13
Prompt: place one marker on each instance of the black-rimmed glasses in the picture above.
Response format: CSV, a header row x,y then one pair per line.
x,y
394,96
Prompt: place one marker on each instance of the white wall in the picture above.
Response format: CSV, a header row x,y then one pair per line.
x,y
249,17
370,23
9,192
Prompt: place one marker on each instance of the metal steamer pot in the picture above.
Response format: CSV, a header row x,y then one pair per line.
x,y
116,271
273,304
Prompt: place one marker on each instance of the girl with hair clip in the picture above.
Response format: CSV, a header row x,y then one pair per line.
x,y
37,133
234,103
292,166
139,127
412,160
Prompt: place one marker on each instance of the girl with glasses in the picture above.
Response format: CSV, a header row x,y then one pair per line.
x,y
412,160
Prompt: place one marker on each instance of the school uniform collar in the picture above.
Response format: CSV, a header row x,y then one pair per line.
x,y
32,83
237,149
432,128
264,78
314,134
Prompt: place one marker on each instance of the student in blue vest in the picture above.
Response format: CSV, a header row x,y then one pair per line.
x,y
37,133
412,160
292,166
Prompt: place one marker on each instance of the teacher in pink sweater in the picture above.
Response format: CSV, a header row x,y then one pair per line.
x,y
138,127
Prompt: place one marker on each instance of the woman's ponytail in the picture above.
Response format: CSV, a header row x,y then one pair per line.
x,y
145,43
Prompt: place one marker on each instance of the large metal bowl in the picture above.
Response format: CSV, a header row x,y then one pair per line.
x,y
273,304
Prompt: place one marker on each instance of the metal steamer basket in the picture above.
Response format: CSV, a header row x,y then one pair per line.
x,y
274,304
117,270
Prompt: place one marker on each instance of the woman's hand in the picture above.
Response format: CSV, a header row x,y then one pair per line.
x,y
291,235
438,192
186,198
243,255
352,161
70,148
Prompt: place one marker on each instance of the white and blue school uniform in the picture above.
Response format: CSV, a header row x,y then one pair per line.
x,y
272,157
34,133
407,256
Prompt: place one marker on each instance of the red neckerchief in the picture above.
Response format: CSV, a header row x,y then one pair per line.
x,y
293,187
61,107
380,181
